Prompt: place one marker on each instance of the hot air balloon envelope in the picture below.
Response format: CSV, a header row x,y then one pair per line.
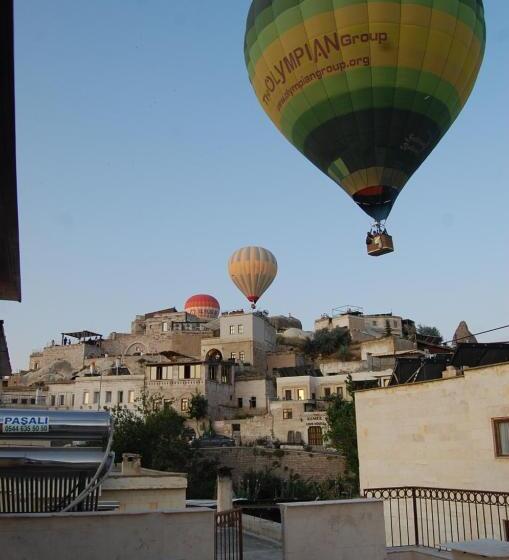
x,y
253,270
365,89
203,306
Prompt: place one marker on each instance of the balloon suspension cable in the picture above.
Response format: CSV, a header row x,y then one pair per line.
x,y
378,228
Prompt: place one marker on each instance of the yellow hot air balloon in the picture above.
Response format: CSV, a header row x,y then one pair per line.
x,y
365,89
252,270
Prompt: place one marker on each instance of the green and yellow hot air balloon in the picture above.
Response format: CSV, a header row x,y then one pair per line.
x,y
365,89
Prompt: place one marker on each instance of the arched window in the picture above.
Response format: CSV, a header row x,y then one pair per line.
x,y
214,355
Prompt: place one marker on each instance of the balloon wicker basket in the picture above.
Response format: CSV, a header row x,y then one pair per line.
x,y
381,244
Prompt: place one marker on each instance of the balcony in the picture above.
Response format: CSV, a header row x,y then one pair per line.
x,y
175,382
431,517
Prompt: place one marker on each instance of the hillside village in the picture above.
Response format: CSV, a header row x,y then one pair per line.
x,y
264,378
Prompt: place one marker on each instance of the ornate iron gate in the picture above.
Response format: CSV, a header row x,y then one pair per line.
x,y
228,535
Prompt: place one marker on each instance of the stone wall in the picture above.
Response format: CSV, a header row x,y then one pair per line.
x,y
186,343
283,418
176,534
319,466
284,358
343,530
435,434
386,345
74,354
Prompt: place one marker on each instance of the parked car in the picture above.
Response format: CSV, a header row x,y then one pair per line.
x,y
214,441
189,434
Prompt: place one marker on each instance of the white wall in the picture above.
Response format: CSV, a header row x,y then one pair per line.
x,y
108,383
294,383
343,530
244,320
436,434
177,534
258,388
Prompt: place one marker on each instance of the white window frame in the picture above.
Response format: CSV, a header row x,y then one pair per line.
x,y
240,329
232,329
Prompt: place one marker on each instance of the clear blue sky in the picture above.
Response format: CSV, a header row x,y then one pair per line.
x,y
144,160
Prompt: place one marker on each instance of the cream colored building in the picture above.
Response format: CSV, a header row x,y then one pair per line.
x,y
96,392
289,422
253,393
176,382
448,433
137,489
362,327
243,338
305,387
384,346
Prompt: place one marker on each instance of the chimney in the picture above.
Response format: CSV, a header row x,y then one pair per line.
x,y
131,464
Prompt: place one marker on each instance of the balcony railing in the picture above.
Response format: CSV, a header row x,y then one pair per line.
x,y
434,516
167,382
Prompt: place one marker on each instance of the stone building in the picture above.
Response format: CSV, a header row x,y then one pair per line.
x,y
167,330
360,326
253,392
450,432
243,337
96,392
296,413
282,323
177,380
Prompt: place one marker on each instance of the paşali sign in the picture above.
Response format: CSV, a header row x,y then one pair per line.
x,y
13,424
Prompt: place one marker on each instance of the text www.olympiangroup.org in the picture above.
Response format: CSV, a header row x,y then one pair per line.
x,y
319,74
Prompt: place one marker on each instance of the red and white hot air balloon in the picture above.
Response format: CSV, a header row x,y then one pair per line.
x,y
203,306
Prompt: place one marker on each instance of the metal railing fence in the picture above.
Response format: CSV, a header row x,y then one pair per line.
x,y
433,516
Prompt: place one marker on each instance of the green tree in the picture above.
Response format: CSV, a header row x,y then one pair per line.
x,y
158,436
198,408
342,433
426,330
326,342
